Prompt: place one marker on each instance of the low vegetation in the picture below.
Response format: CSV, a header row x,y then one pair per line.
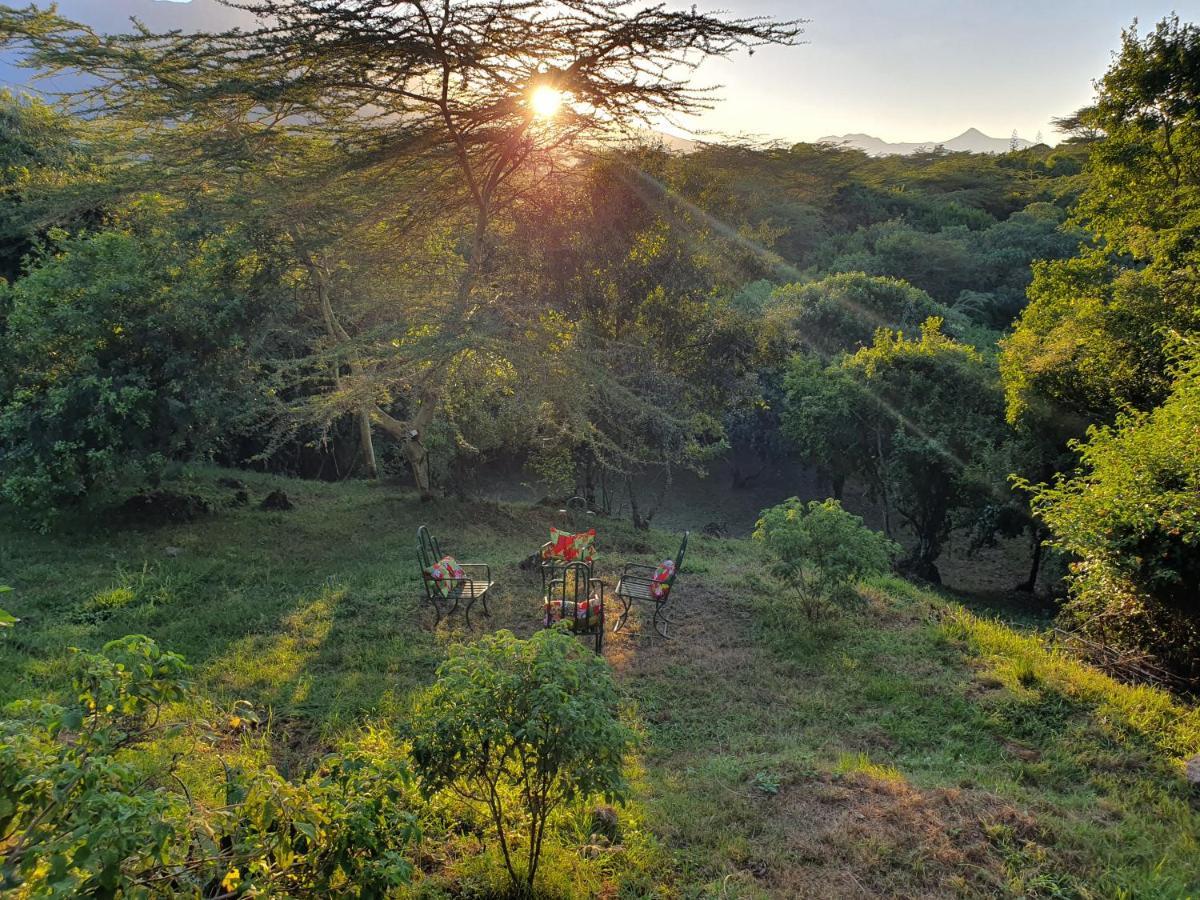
x,y
905,745
253,281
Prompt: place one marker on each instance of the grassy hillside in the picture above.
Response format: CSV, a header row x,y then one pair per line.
x,y
906,747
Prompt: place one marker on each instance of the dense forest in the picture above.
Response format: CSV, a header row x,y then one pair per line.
x,y
222,252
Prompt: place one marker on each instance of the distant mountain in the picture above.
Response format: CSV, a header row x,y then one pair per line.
x,y
972,140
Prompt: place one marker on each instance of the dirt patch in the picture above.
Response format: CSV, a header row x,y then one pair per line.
x,y
298,745
706,624
864,836
164,507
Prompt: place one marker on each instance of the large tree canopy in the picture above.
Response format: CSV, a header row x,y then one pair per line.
x,y
331,118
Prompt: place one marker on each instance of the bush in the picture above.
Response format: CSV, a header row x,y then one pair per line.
x,y
520,728
1131,518
841,313
87,807
124,350
821,550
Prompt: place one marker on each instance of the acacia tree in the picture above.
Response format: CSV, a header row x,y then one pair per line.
x,y
431,99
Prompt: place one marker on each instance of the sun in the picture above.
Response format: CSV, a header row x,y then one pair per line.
x,y
545,101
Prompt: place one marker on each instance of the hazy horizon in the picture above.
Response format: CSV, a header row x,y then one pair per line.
x,y
925,71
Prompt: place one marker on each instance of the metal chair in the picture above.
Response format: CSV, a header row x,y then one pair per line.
x,y
637,583
565,599
470,589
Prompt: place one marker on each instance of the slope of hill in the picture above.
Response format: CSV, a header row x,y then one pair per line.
x,y
972,140
899,747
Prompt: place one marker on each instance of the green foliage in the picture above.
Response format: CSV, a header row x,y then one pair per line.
x,y
124,349
1094,349
821,550
820,420
89,807
1092,341
1131,517
841,313
40,146
918,420
7,619
522,728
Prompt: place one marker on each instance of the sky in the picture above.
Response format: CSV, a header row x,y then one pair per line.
x,y
921,70
925,69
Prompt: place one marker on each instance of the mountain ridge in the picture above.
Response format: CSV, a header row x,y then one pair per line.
x,y
972,141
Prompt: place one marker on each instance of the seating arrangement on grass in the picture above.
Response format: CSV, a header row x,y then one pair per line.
x,y
574,596
650,584
448,581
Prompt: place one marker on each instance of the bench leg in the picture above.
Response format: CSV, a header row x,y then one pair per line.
x,y
660,615
620,623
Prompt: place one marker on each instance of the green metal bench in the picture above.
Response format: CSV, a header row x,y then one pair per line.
x,y
636,583
470,589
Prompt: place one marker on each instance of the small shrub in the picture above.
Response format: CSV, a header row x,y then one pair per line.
x,y
820,550
767,782
7,619
520,728
88,808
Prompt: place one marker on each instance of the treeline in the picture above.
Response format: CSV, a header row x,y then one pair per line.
x,y
234,261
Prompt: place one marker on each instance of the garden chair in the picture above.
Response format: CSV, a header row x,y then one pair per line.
x,y
650,584
474,585
551,566
576,597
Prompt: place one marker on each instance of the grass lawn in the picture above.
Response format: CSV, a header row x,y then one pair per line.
x,y
906,747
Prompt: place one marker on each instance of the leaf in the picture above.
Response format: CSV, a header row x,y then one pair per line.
x,y
7,619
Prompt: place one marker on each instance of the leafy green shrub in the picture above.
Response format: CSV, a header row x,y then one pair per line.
x,y
841,313
7,619
1131,517
520,728
88,807
124,349
821,550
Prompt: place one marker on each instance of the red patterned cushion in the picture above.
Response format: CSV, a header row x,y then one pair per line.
x,y
446,574
569,547
658,584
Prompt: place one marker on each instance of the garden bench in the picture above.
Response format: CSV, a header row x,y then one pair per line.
x,y
474,586
643,583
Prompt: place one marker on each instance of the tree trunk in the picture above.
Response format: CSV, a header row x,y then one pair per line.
x,y
638,522
883,491
837,484
368,444
920,564
1029,585
410,435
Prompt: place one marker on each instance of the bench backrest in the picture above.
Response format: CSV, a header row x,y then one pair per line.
x,y
428,550
679,557
571,584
